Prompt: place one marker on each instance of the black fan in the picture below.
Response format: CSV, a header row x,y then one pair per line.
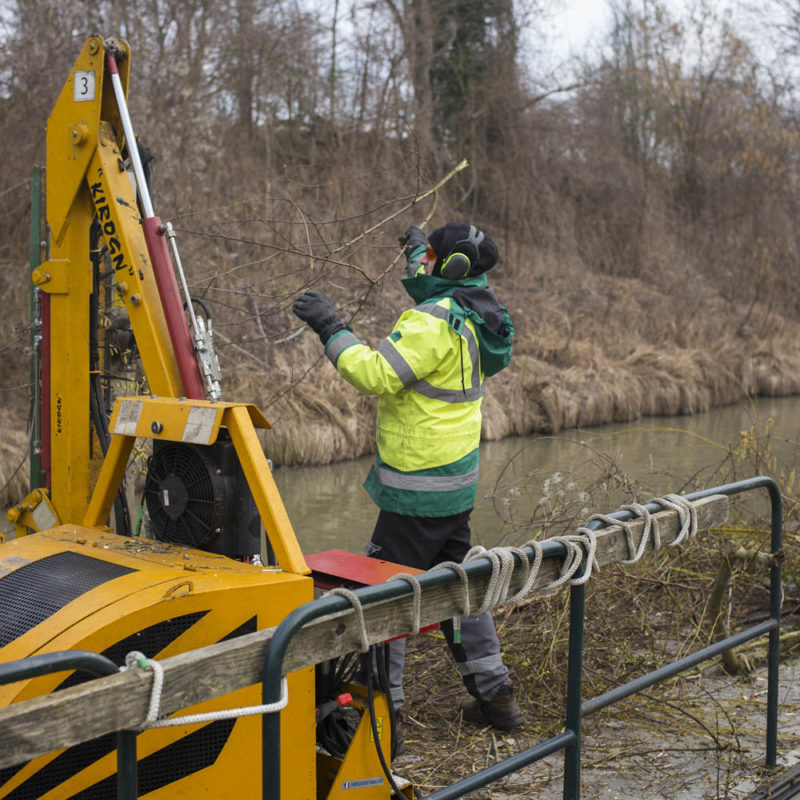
x,y
197,495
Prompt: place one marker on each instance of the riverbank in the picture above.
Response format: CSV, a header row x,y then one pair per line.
x,y
702,736
589,350
555,382
571,368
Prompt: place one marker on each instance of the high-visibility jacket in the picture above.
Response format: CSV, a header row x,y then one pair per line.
x,y
429,376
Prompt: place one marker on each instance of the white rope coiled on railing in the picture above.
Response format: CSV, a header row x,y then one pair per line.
x,y
649,531
352,598
417,605
577,567
465,599
581,552
687,515
135,659
503,563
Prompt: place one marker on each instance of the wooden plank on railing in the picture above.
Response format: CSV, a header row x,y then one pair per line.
x,y
119,702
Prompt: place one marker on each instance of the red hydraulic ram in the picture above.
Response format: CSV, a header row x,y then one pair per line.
x,y
166,281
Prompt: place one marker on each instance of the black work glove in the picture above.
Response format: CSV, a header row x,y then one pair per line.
x,y
317,310
413,242
412,239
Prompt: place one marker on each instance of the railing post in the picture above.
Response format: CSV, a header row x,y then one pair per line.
x,y
572,752
95,664
775,594
271,723
271,746
127,766
775,601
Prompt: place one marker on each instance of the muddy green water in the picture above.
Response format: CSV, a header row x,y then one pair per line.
x,y
527,480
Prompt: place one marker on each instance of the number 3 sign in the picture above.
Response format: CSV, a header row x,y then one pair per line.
x,y
83,86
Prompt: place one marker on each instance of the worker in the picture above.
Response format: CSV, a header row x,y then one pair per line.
x,y
429,375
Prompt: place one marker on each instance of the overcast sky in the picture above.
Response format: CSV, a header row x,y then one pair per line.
x,y
576,20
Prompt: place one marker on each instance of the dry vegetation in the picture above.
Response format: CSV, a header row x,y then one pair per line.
x,y
644,207
646,218
701,735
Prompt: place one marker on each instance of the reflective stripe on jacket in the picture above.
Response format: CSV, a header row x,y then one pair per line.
x,y
429,384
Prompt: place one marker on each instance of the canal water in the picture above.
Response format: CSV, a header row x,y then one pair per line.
x,y
528,481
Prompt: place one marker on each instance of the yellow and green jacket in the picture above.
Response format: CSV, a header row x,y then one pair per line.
x,y
429,375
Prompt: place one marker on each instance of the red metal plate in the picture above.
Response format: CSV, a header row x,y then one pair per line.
x,y
353,568
333,568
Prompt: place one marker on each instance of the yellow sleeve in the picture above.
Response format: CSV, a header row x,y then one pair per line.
x,y
411,352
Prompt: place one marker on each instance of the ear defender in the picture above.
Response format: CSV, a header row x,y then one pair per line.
x,y
463,256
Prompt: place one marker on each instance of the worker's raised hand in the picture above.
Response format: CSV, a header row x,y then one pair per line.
x,y
413,242
412,239
317,310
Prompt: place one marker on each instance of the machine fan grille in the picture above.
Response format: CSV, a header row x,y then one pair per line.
x,y
182,495
198,496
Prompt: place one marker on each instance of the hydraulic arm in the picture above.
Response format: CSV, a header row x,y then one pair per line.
x,y
89,140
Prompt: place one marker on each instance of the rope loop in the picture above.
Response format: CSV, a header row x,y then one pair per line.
x,y
570,564
687,514
502,562
417,604
352,598
581,551
649,531
503,565
585,549
137,660
462,574
465,599
532,569
627,529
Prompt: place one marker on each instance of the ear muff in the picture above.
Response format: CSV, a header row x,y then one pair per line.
x,y
464,255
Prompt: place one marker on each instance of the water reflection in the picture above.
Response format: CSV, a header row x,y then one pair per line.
x,y
526,480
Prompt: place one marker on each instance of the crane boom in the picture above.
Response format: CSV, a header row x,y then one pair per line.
x,y
87,180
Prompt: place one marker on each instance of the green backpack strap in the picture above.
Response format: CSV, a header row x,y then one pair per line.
x,y
495,348
457,317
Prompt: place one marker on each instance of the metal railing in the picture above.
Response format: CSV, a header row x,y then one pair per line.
x,y
570,740
576,708
99,666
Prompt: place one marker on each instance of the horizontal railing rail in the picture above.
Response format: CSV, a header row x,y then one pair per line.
x,y
328,627
570,739
94,664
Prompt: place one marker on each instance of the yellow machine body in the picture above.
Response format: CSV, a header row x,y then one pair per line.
x,y
80,588
338,777
75,585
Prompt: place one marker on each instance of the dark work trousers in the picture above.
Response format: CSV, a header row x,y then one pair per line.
x,y
424,542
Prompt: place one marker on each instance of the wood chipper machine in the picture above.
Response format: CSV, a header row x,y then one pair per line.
x,y
110,279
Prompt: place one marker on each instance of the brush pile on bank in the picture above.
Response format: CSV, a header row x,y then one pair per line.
x,y
698,735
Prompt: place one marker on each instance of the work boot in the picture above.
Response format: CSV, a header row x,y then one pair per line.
x,y
502,711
